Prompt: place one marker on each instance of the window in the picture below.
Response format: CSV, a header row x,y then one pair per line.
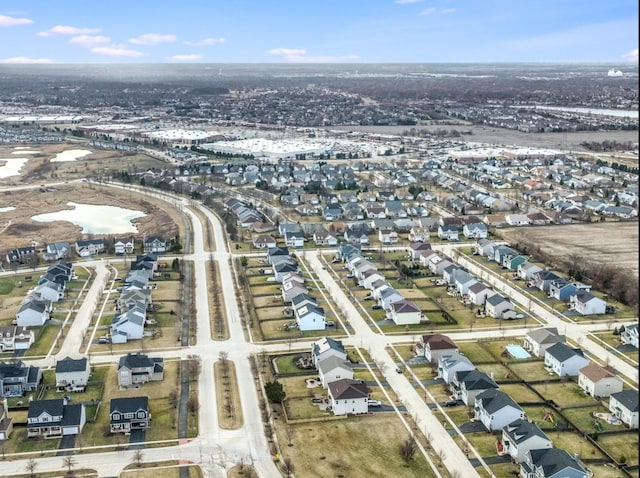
x,y
115,416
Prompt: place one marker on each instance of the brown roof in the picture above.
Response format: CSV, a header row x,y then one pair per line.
x,y
595,372
438,342
347,388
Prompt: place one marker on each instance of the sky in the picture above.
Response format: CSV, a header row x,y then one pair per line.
x,y
318,31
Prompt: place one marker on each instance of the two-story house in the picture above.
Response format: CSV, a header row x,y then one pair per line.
x,y
55,417
521,436
564,360
17,378
128,414
72,375
136,369
348,396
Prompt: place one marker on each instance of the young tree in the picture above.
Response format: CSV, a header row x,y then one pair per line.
x,y
137,458
275,391
31,467
408,449
69,462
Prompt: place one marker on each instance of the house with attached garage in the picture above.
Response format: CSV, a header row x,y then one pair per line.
x,y
543,279
404,312
128,326
125,245
449,365
13,337
526,270
585,303
495,409
55,418
72,375
467,385
20,254
435,346
17,378
624,405
564,361
283,268
90,247
520,436
128,414
137,369
324,238
539,340
327,347
291,289
562,289
264,241
6,422
498,307
33,312
369,277
310,317
551,463
599,381
57,251
512,262
49,291
629,336
155,245
476,230
348,396
416,248
462,280
388,297
478,293
333,368
484,248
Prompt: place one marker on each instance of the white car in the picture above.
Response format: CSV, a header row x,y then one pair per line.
x,y
374,403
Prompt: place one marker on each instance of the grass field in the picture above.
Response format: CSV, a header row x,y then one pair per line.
x,y
227,395
621,446
564,394
169,469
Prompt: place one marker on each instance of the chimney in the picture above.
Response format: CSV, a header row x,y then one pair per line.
x,y
576,457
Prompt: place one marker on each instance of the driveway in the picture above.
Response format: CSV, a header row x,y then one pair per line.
x,y
66,442
136,440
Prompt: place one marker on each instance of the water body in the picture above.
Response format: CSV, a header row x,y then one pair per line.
x,y
95,219
11,166
6,208
25,151
591,111
70,155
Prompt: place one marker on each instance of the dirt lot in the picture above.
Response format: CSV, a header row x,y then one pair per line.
x,y
608,242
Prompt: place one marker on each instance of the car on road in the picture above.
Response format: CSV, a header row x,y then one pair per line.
x,y
103,340
398,370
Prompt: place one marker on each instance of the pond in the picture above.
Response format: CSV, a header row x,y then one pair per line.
x,y
95,219
11,166
70,155
6,208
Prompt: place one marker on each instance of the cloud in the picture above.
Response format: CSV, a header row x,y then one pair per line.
x,y
404,2
191,57
292,55
117,50
437,11
6,21
88,41
152,39
631,56
205,42
25,60
67,30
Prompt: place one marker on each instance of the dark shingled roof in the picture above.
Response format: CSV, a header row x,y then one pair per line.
x,y
71,365
346,388
129,404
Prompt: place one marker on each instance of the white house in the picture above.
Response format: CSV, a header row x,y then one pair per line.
x,y
462,280
564,361
467,385
128,326
33,313
629,336
72,375
624,405
520,436
551,463
310,317
124,246
495,409
496,306
586,303
475,231
348,396
327,347
435,346
388,297
49,291
55,417
526,270
13,337
369,277
539,340
89,247
599,381
478,293
449,365
333,368
155,245
405,312
264,241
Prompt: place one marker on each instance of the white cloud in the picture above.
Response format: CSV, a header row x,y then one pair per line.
x,y
152,39
631,56
25,60
300,56
191,57
437,11
6,21
117,50
67,30
404,2
287,51
205,42
89,40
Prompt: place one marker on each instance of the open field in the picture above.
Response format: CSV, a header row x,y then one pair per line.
x,y
595,241
169,469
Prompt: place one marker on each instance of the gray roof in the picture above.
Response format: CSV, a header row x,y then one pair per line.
x,y
475,380
548,335
128,404
53,407
331,363
138,361
347,388
562,352
628,398
521,430
553,461
71,365
494,400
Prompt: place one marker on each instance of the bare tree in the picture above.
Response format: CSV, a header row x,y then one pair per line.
x,y
193,405
31,467
288,467
69,462
137,458
408,449
289,432
194,365
441,456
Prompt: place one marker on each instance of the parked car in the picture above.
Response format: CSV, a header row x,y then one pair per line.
x,y
377,307
451,403
331,323
374,403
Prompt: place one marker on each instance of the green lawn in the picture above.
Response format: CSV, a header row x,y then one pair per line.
x,y
622,445
287,364
533,371
520,392
583,419
564,394
476,352
45,337
538,415
573,442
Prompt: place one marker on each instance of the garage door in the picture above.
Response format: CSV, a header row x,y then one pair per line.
x,y
70,431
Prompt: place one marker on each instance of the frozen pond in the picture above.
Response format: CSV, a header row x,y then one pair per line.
x,y
11,166
6,208
70,155
25,151
95,219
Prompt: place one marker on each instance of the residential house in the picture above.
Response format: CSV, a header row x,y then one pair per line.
x,y
369,277
498,307
155,245
467,385
294,239
517,219
264,241
282,269
128,326
6,422
292,288
124,246
435,346
405,312
387,236
389,296
562,289
327,347
624,405
57,251
449,272
495,409
13,337
348,396
543,279
72,375
333,368
475,230
419,234
55,417
20,254
324,238
539,340
18,378
450,364
550,463
275,252
564,360
310,317
526,271
512,262
128,414
462,280
416,248
89,247
599,381
137,369
484,248
48,291
449,232
629,336
478,293
33,312
520,436
585,303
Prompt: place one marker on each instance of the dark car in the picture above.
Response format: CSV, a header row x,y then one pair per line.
x,y
451,403
377,307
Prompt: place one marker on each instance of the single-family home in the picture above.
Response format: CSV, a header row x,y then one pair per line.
x,y
124,245
449,364
18,378
405,312
496,306
478,293
89,247
539,340
564,361
137,369
526,270
369,277
495,409
417,248
55,417
387,236
57,251
419,234
624,405
294,239
310,317
333,368
6,422
275,252
599,381
484,248
33,312
264,241
14,337
512,262
20,254
475,230
520,436
72,375
49,291
325,238
629,336
291,289
543,279
449,232
283,268
435,346
468,384
389,296
348,396
327,347
155,245
127,414
551,463
562,289
585,303
462,280
128,326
